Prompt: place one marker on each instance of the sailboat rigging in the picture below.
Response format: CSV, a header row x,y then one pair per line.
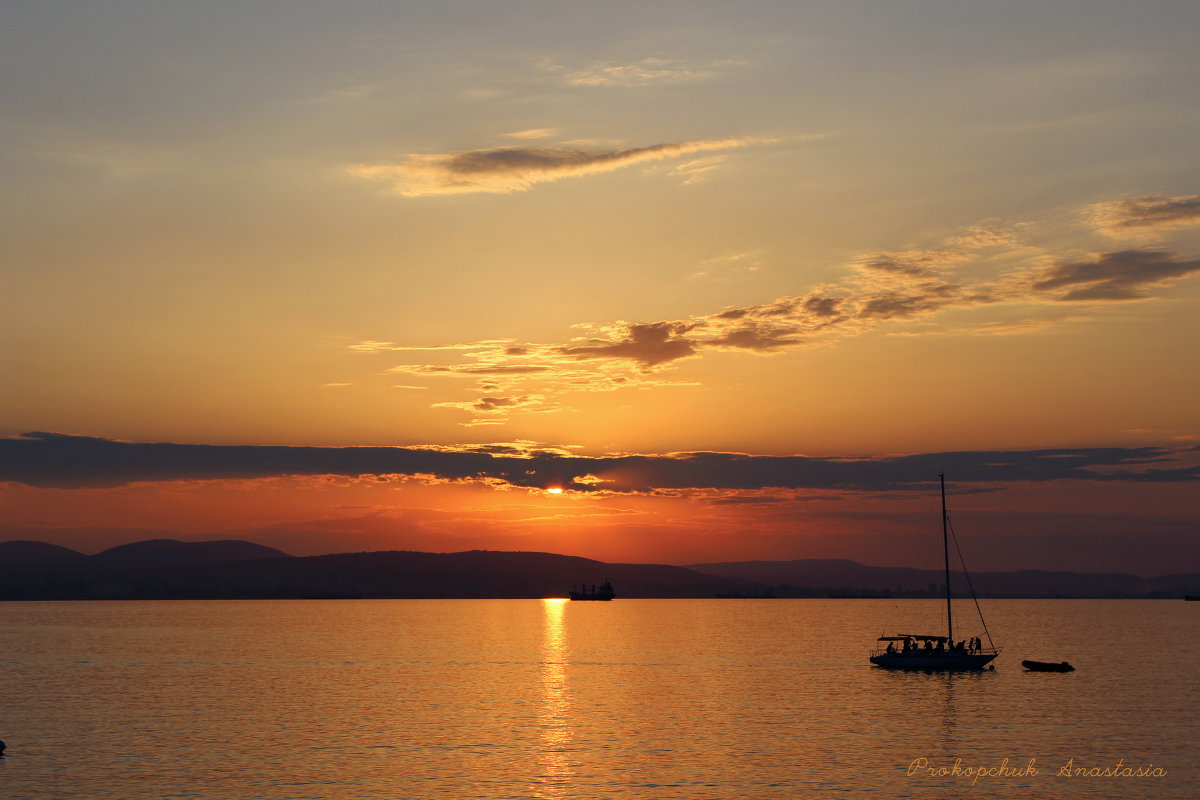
x,y
933,652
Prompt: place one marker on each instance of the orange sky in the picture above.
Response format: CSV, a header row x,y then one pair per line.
x,y
860,231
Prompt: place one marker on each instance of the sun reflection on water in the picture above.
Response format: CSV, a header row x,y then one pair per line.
x,y
554,714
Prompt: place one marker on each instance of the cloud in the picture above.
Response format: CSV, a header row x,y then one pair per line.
x,y
759,337
1149,213
503,170
646,344
488,407
823,306
643,73
913,264
372,346
57,460
730,265
1114,276
470,369
605,360
532,133
696,170
908,284
898,291
927,298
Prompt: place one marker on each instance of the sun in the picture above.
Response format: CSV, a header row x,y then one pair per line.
x,y
555,490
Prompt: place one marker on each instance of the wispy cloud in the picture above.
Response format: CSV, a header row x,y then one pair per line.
x,y
533,133
532,378
729,265
503,170
1151,213
646,72
491,409
897,291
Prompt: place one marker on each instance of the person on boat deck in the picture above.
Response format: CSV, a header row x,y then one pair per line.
x,y
891,648
940,646
928,646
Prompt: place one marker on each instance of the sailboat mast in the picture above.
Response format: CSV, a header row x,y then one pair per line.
x,y
946,553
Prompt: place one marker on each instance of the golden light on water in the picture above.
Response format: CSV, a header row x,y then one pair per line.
x,y
554,716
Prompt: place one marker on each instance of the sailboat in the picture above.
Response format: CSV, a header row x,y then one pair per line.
x,y
934,652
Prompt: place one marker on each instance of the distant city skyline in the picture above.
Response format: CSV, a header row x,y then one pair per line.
x,y
670,283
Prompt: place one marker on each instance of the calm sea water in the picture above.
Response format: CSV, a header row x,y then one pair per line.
x,y
549,699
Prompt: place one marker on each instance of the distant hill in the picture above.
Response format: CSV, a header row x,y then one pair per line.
x,y
477,573
171,553
24,552
168,569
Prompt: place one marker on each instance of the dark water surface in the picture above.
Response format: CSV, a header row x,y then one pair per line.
x,y
549,699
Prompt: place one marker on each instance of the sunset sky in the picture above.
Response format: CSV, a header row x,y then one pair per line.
x,y
738,279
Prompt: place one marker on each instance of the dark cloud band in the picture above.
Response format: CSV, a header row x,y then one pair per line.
x,y
56,460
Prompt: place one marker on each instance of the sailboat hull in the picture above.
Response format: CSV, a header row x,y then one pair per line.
x,y
953,662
